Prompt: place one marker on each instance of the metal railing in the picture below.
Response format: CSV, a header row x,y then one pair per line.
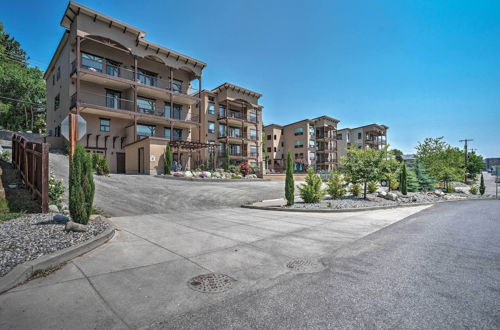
x,y
237,115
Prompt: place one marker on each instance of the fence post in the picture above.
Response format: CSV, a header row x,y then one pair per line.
x,y
45,177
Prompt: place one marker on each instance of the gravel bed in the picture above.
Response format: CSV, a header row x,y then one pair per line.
x,y
351,202
34,235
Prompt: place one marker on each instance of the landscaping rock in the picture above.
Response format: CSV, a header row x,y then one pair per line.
x,y
207,174
391,196
216,175
77,227
188,174
382,194
462,190
65,212
95,217
62,206
438,193
59,218
53,208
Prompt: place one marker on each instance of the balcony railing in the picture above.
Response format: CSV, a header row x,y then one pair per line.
x,y
112,70
237,115
116,103
236,153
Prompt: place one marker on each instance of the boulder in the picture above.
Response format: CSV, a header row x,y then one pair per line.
x,y
77,227
438,193
216,175
95,217
188,174
382,194
60,218
462,190
392,196
53,208
207,174
62,206
65,212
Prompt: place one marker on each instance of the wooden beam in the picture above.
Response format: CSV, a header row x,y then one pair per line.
x,y
95,17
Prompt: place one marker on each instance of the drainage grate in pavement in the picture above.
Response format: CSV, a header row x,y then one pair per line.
x,y
305,265
211,283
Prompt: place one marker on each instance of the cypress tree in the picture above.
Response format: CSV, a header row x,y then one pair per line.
x,y
289,183
168,160
81,186
228,159
425,181
403,184
482,187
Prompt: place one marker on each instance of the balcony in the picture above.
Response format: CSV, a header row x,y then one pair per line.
x,y
103,104
238,116
112,75
326,150
324,137
375,140
239,154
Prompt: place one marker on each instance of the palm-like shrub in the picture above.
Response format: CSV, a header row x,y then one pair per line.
x,y
355,189
311,191
289,183
81,186
372,187
336,186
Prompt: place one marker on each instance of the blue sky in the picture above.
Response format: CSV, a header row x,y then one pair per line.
x,y
424,68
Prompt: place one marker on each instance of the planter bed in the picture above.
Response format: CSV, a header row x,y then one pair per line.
x,y
206,179
35,235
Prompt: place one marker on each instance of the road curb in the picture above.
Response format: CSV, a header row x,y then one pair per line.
x,y
167,177
24,271
361,209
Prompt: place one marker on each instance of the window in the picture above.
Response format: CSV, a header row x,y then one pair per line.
x,y
312,156
339,136
359,136
282,144
222,130
177,134
298,131
252,116
211,109
176,114
112,68
147,77
211,98
235,132
274,149
269,137
92,62
144,131
58,73
57,101
146,105
275,137
222,111
311,130
211,127
177,85
166,133
104,125
253,134
312,144
268,149
298,144
113,99
57,131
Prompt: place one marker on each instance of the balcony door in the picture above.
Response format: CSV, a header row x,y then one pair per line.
x,y
113,99
177,134
175,113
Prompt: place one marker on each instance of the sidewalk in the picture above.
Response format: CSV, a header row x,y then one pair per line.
x,y
141,275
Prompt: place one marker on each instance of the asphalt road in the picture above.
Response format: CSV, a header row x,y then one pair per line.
x,y
437,269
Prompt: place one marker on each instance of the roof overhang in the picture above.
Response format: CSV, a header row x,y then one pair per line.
x,y
242,90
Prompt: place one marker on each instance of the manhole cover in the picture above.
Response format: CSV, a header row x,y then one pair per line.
x,y
211,283
305,266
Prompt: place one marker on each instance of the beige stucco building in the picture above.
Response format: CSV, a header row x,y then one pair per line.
x,y
137,96
369,136
311,142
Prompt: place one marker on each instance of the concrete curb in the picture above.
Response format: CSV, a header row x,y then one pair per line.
x,y
168,177
24,271
275,208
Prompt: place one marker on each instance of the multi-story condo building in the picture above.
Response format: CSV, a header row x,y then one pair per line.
x,y
369,136
312,142
137,96
233,120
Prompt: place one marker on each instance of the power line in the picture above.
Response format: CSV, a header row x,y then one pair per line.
x,y
22,60
18,100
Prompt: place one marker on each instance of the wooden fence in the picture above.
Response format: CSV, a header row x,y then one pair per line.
x,y
31,159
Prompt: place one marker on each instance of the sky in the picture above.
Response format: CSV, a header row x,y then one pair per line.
x,y
424,68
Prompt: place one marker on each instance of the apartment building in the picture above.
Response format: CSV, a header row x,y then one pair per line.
x,y
233,121
369,136
312,143
137,97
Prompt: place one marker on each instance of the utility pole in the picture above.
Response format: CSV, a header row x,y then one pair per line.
x,y
465,149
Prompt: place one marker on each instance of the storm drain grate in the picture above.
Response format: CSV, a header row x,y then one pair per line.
x,y
211,283
305,265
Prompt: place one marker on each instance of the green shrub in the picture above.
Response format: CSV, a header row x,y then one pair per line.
x,y
482,187
244,168
425,181
355,189
56,190
5,156
336,186
403,182
95,160
228,159
102,167
311,191
168,160
81,186
473,190
412,181
289,183
372,187
449,188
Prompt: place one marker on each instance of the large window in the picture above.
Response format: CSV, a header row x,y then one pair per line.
x,y
146,105
57,101
312,144
167,132
177,134
176,114
253,134
177,85
104,125
113,99
298,131
144,131
147,77
359,136
252,116
112,68
211,109
222,111
339,136
311,131
235,132
92,62
298,144
211,127
222,130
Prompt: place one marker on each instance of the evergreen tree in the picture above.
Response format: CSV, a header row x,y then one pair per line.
x,y
228,159
403,182
425,181
81,186
168,160
412,181
482,187
336,186
311,191
289,183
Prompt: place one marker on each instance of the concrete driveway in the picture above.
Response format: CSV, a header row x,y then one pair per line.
x,y
141,275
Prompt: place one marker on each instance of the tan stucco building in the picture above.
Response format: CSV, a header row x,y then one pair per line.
x,y
312,143
369,136
137,96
